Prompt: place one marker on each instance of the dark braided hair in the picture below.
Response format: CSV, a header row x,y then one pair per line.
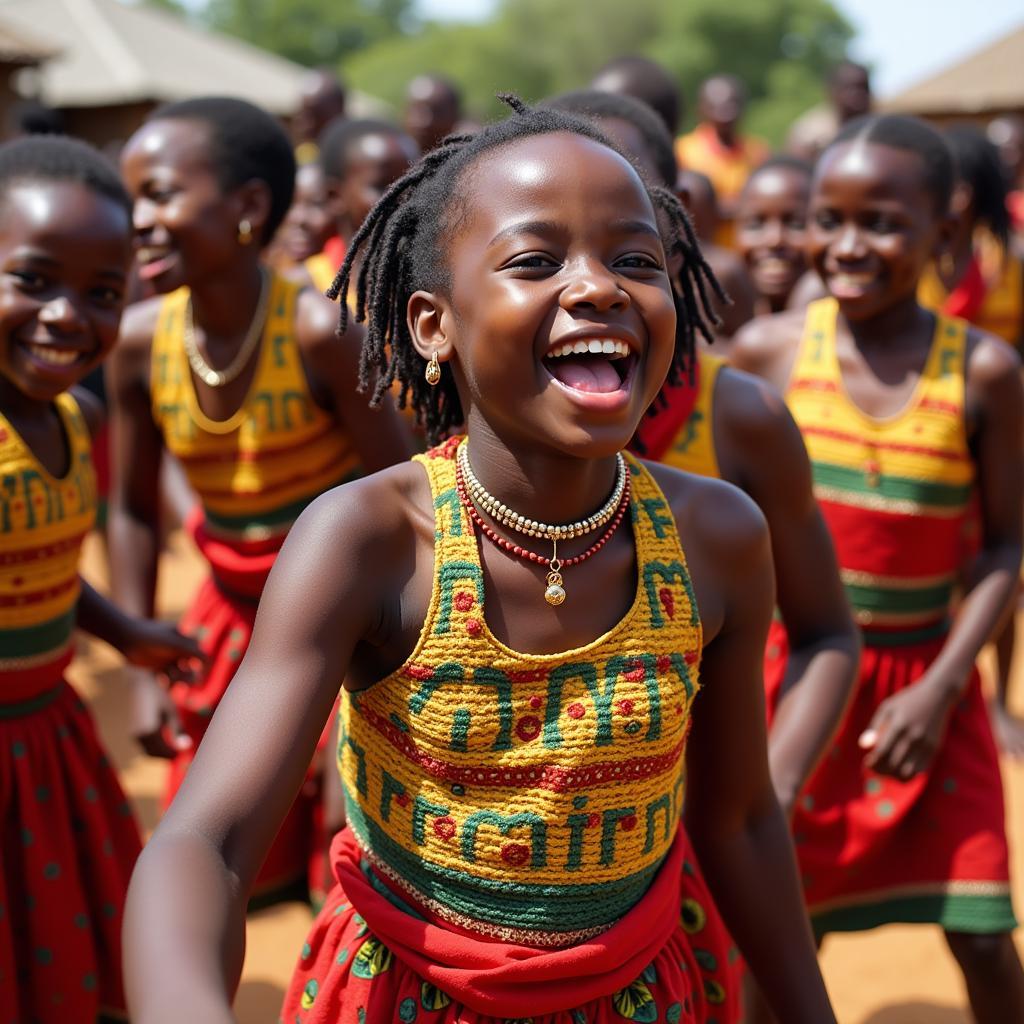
x,y
404,235
979,166
59,158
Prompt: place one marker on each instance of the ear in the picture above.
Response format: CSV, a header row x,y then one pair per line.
x,y
960,201
252,202
431,323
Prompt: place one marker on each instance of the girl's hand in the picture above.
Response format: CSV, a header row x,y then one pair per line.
x,y
156,726
908,728
161,648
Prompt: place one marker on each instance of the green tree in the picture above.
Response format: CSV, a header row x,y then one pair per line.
x,y
311,32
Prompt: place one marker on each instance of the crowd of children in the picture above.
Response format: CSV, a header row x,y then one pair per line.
x,y
653,667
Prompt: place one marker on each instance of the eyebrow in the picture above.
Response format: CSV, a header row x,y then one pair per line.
x,y
547,227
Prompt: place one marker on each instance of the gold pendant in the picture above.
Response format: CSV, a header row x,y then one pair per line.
x,y
555,594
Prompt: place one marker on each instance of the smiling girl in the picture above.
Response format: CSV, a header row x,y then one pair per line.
x,y
240,374
68,839
521,696
909,416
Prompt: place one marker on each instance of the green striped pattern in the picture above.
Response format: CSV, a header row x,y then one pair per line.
x,y
30,641
953,497
955,912
548,908
900,599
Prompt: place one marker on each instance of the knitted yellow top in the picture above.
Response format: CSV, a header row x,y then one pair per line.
x,y
255,472
43,521
693,448
530,798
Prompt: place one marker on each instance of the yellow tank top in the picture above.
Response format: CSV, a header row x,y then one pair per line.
x,y
531,798
895,492
693,449
43,521
321,270
255,472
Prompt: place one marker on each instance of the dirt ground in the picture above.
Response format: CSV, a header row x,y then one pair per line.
x,y
894,975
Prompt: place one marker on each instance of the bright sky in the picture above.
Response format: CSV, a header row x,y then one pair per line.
x,y
904,40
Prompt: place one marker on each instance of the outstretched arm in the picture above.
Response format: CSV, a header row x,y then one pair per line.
x,y
764,454
733,818
185,916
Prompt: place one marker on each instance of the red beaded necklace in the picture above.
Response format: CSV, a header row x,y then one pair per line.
x,y
555,592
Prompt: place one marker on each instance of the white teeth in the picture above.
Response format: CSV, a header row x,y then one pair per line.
x,y
597,346
54,356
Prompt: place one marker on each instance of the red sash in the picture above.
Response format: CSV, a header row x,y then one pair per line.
x,y
661,426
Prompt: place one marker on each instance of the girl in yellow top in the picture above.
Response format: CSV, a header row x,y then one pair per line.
x,y
69,839
982,280
240,374
911,420
514,728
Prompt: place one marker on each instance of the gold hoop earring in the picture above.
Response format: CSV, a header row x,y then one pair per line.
x,y
433,371
244,232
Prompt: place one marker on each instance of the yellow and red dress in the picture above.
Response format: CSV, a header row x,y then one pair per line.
x,y
896,495
254,474
324,266
68,840
515,844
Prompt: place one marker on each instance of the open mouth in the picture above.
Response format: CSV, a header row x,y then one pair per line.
x,y
152,261
54,358
594,366
846,285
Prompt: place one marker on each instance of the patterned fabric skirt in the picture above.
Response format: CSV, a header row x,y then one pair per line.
x,y
875,850
347,974
68,843
296,866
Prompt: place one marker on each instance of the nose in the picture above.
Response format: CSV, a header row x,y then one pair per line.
x,y
849,244
773,233
143,215
593,286
62,313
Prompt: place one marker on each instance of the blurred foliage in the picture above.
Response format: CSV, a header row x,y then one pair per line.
x,y
312,32
782,49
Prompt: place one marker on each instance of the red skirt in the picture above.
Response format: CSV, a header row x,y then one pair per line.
x,y
67,847
296,866
874,850
370,957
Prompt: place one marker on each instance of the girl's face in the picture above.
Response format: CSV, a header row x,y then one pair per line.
x,y
307,226
873,226
186,225
376,163
771,229
64,256
561,313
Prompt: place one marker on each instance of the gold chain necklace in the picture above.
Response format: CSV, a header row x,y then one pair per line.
x,y
202,369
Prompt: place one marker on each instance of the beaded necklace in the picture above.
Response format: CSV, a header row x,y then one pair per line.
x,y
471,492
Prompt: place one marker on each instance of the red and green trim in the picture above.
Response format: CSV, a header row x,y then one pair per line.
x,y
956,912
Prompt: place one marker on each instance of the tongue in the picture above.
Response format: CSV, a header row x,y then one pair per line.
x,y
585,373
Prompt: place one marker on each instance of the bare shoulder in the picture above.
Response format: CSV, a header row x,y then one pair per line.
x,y
767,345
749,406
989,359
723,534
317,321
135,339
365,529
91,408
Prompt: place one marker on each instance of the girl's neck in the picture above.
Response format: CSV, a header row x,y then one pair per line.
x,y
543,485
899,324
223,305
19,407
